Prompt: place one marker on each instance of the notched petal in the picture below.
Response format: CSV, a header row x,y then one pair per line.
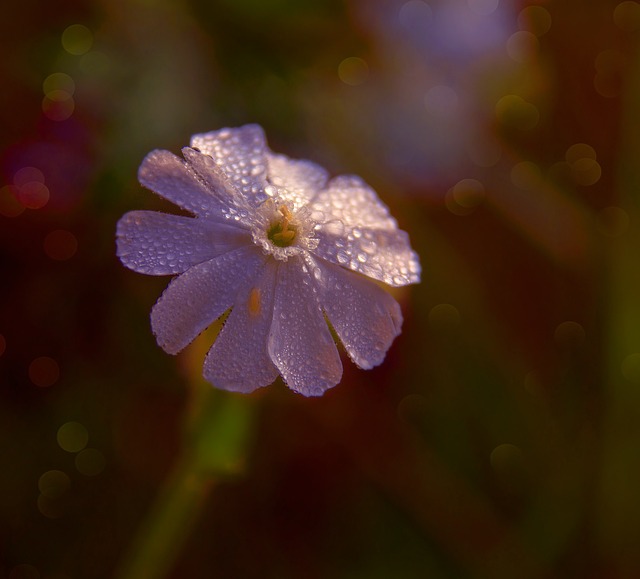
x,y
240,154
385,255
364,316
300,343
351,201
162,244
296,180
169,177
238,360
195,299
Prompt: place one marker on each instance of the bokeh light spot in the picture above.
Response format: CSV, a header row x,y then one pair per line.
x,y
584,168
353,71
523,46
630,368
95,63
9,204
3,344
58,105
54,483
27,175
626,16
613,221
415,15
33,195
535,19
24,571
513,111
569,334
77,39
59,81
50,508
444,318
465,196
90,462
586,171
483,7
441,100
60,245
72,437
580,151
526,175
44,371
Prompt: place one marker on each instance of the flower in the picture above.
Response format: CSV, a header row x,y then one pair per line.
x,y
281,246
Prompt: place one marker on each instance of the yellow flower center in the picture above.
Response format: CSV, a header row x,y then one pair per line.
x,y
282,233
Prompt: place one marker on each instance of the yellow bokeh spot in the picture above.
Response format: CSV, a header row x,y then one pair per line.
x,y
513,111
580,151
526,175
353,71
72,437
54,483
626,16
535,19
569,334
59,81
613,221
77,39
465,196
90,462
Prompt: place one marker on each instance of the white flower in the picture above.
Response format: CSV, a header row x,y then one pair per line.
x,y
280,245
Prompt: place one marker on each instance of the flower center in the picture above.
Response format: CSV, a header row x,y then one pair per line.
x,y
282,233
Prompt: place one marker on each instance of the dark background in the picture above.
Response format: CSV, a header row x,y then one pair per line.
x,y
501,436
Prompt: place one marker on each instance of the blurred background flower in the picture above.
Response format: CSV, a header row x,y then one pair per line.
x,y
500,437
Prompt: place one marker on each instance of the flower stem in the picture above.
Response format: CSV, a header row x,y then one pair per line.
x,y
215,445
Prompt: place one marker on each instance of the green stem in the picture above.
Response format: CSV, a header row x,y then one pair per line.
x,y
215,447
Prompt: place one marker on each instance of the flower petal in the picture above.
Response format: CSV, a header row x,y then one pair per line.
x,y
234,208
297,180
384,255
300,343
169,177
365,317
238,360
240,154
199,296
349,200
356,231
162,244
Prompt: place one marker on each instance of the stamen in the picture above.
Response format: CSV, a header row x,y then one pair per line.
x,y
282,233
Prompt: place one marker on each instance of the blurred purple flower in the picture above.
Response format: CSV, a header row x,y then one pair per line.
x,y
283,247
